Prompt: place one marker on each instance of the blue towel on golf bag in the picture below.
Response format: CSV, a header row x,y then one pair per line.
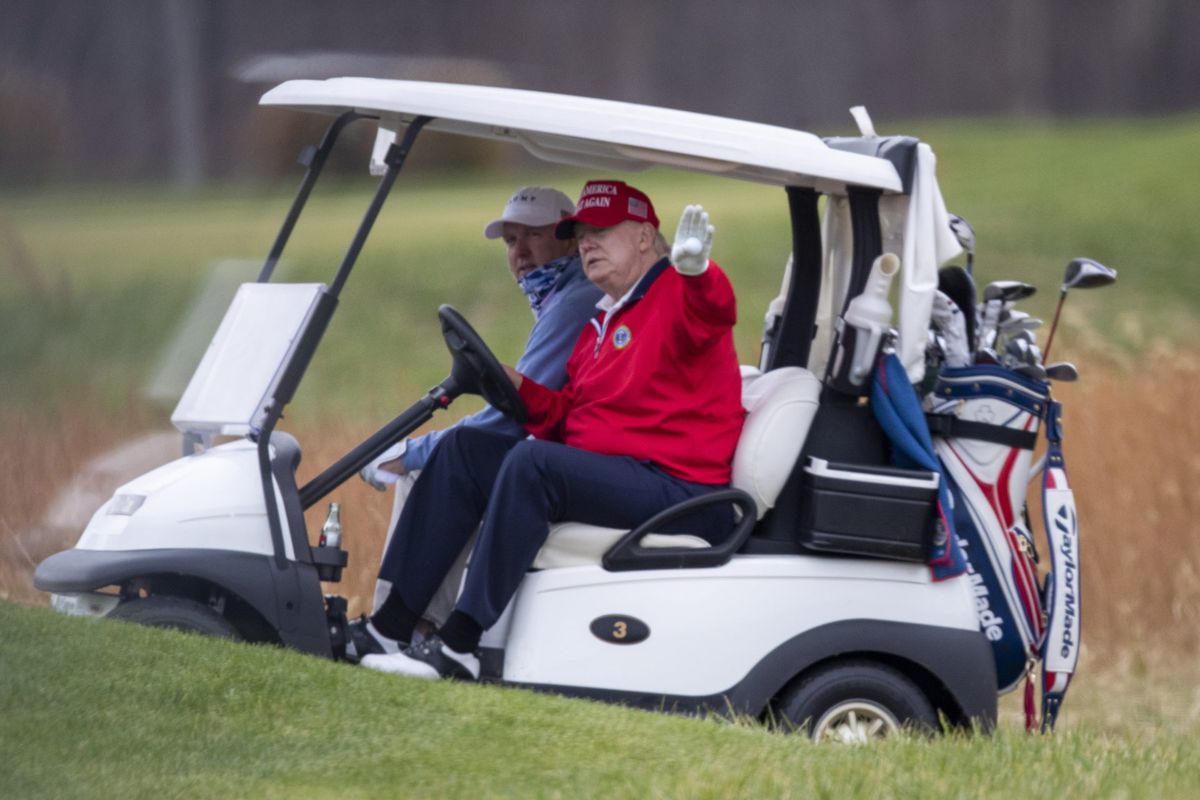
x,y
899,412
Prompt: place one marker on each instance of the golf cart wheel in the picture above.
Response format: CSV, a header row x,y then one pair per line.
x,y
855,702
175,612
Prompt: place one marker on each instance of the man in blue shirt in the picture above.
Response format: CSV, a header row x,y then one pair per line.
x,y
562,299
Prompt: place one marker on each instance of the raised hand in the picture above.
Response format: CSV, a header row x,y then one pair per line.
x,y
693,242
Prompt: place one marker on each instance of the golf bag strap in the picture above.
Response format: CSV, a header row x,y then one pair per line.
x,y
949,426
1060,646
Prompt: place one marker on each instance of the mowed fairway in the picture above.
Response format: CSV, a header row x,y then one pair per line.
x,y
97,280
101,709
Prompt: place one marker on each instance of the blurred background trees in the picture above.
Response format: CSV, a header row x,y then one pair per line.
x,y
165,90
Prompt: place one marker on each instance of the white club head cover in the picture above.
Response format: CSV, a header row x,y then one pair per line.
x,y
693,242
948,318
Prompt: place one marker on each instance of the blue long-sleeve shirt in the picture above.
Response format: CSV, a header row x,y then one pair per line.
x,y
568,307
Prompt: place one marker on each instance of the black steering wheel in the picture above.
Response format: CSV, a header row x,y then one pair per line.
x,y
475,369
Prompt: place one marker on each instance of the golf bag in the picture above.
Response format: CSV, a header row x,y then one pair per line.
x,y
985,420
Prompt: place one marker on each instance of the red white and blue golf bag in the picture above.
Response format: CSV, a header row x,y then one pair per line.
x,y
985,419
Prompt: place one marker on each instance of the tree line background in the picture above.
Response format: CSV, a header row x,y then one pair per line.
x,y
142,90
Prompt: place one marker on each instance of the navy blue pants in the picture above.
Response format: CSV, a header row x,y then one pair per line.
x,y
516,488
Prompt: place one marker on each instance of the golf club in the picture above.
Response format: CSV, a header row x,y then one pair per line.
x,y
1081,273
966,237
1018,320
986,355
995,295
1016,353
1026,336
1063,371
1035,371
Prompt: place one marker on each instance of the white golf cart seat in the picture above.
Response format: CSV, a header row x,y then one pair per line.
x,y
780,406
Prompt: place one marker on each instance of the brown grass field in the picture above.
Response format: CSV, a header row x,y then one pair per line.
x,y
1131,445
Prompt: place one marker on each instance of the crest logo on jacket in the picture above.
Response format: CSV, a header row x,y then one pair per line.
x,y
621,337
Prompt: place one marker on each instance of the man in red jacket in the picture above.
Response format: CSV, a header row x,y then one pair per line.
x,y
649,417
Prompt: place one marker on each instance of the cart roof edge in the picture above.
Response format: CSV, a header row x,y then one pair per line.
x,y
599,134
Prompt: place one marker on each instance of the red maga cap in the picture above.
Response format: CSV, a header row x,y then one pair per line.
x,y
608,203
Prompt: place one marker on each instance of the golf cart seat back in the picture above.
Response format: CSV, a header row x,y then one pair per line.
x,y
780,406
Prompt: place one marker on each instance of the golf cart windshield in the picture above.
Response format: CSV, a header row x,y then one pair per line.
x,y
235,384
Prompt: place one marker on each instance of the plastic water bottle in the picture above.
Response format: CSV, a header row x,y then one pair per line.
x,y
331,531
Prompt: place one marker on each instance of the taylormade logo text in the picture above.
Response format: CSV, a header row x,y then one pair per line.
x,y
989,623
1065,522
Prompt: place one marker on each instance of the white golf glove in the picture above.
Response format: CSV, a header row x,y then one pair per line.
x,y
381,479
693,242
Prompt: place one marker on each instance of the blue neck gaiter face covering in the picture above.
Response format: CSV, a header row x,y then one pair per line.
x,y
537,283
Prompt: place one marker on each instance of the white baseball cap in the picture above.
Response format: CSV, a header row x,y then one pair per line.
x,y
533,206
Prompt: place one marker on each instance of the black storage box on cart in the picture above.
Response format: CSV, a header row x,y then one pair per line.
x,y
885,512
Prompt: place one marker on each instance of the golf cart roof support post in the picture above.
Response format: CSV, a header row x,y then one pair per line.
x,y
868,238
315,162
394,159
348,465
311,337
294,370
268,484
794,335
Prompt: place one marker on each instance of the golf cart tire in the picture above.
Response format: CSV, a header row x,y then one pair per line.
x,y
178,613
878,687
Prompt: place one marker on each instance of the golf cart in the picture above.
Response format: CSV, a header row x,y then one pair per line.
x,y
820,607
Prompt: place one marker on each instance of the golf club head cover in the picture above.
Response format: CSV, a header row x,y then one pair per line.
x,y
950,322
959,286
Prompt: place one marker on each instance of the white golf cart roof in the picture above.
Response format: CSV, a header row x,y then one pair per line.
x,y
602,134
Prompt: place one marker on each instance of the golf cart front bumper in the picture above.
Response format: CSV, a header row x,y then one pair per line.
x,y
288,598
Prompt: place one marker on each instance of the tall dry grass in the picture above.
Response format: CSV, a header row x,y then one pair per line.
x,y
41,449
1132,444
1132,441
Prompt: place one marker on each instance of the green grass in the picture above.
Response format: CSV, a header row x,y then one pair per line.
x,y
101,709
108,271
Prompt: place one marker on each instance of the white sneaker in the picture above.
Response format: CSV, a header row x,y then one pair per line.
x,y
429,659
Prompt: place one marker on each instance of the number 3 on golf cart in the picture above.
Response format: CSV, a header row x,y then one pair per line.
x,y
818,610
620,630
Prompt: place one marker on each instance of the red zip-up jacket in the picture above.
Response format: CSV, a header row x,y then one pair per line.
x,y
658,380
